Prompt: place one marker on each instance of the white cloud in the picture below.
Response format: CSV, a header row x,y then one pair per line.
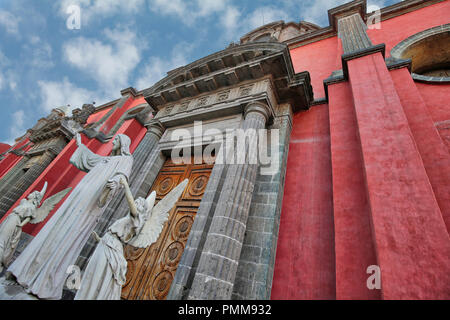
x,y
17,128
236,25
7,76
9,21
109,62
189,12
156,68
94,9
40,53
316,11
57,94
230,22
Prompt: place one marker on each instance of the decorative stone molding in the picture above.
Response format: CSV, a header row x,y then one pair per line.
x,y
209,129
237,64
418,48
218,103
389,12
361,53
129,92
279,31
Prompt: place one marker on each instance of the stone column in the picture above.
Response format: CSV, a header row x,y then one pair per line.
x,y
216,271
147,163
18,188
256,263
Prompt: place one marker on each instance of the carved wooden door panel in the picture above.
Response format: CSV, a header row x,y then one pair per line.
x,y
152,270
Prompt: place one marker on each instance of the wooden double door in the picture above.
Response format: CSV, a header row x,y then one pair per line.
x,y
152,270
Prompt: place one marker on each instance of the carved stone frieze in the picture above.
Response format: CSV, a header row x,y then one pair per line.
x,y
233,66
218,103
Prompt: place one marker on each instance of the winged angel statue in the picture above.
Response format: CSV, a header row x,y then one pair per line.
x,y
28,211
107,268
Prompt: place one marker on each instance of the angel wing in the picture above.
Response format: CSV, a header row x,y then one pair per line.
x,y
48,205
159,215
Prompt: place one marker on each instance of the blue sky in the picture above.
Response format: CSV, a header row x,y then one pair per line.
x,y
120,43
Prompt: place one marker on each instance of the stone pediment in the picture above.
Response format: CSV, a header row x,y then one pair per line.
x,y
229,67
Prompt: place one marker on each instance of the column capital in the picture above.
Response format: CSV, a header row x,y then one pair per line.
x,y
156,127
258,107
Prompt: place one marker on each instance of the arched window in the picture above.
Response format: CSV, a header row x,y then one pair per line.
x,y
429,52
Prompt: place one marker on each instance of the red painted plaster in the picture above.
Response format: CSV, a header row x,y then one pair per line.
x,y
320,59
412,243
11,159
97,116
4,147
397,29
305,263
354,245
436,97
432,149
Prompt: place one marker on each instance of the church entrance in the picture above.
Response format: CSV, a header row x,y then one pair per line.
x,y
152,270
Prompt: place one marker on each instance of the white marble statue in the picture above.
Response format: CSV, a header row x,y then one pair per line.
x,y
42,266
28,211
107,268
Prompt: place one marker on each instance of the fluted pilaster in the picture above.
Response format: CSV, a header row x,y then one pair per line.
x,y
218,263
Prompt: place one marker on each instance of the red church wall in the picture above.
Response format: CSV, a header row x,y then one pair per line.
x,y
320,58
436,99
432,149
412,243
387,206
97,116
4,147
354,245
118,113
11,159
305,262
397,29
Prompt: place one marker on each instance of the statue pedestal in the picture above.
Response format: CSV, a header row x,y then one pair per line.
x,y
11,290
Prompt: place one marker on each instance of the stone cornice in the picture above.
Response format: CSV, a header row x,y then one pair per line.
x,y
129,92
361,53
219,103
388,12
230,67
405,6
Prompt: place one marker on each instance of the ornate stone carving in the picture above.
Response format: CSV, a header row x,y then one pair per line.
x,y
28,211
223,96
43,272
245,90
107,267
251,61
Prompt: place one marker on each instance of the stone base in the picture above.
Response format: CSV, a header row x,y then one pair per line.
x,y
11,290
